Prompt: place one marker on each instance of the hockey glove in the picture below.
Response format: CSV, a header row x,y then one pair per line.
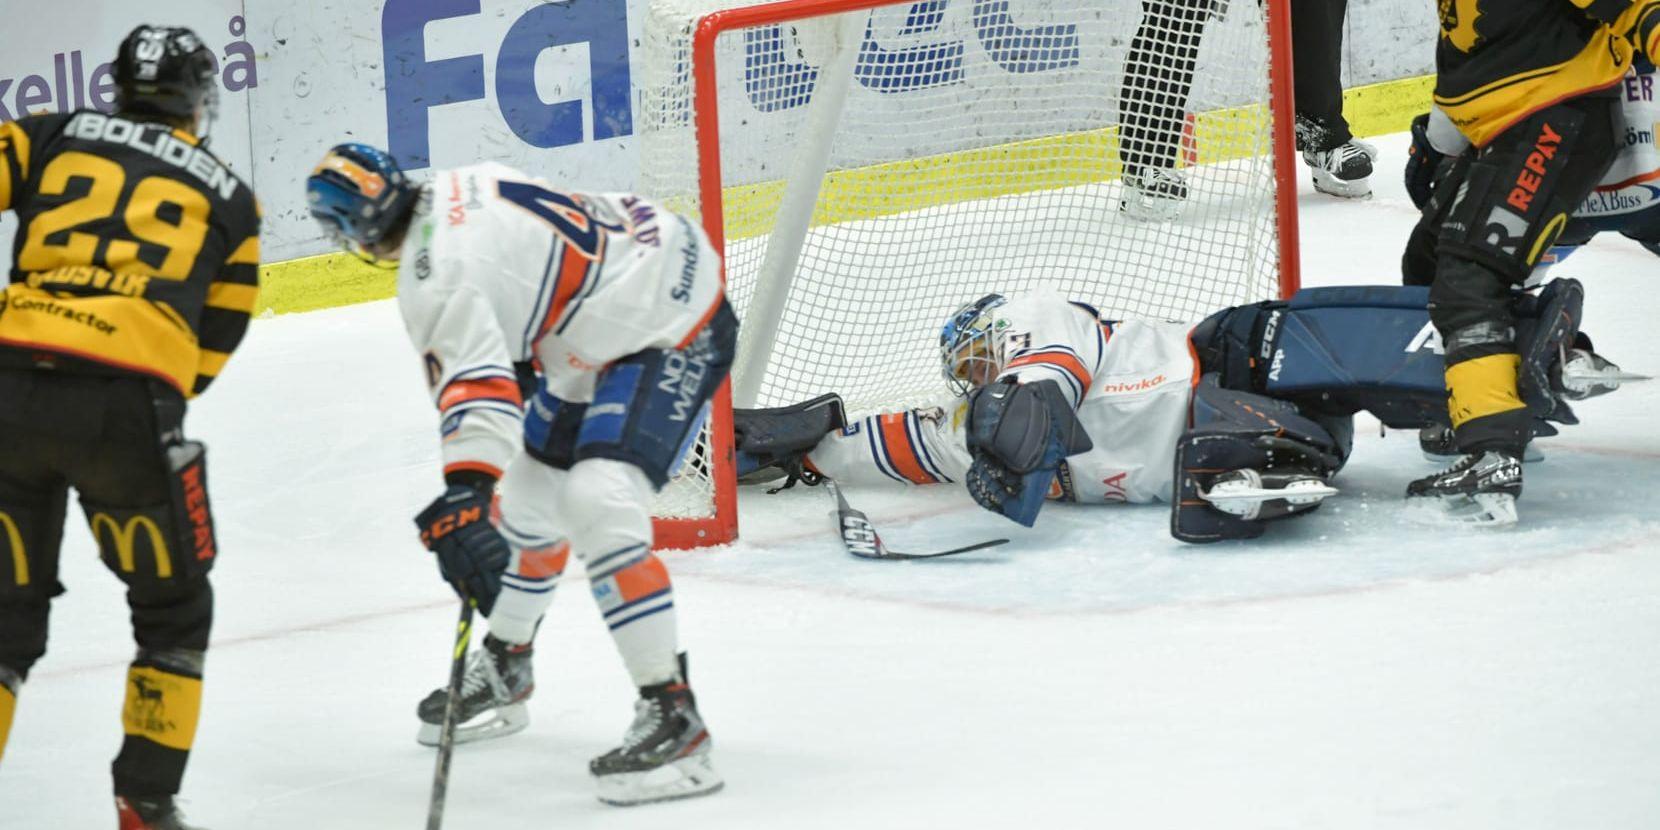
x,y
472,555
1422,163
1018,435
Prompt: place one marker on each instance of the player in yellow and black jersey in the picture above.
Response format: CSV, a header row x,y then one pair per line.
x,y
1531,85
134,274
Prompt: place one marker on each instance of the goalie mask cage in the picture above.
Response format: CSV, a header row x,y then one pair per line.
x,y
868,166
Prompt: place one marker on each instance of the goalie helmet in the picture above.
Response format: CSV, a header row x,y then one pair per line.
x,y
166,71
359,194
971,351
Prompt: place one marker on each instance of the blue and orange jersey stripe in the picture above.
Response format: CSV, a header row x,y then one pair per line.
x,y
897,447
1059,359
475,390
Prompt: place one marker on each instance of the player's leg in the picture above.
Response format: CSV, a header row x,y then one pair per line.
x,y
143,489
32,499
1152,105
1341,165
647,410
1511,205
499,677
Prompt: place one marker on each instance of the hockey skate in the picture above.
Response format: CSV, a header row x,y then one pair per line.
x,y
1586,374
1255,495
664,755
494,688
1344,170
156,813
1479,489
1153,194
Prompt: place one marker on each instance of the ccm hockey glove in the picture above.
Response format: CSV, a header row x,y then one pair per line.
x,y
472,555
1422,163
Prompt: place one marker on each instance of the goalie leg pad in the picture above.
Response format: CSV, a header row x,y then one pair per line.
x,y
1018,435
1236,430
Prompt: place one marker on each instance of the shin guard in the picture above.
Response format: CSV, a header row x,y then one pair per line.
x,y
163,706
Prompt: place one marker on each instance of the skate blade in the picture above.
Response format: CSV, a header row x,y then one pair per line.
x,y
1302,492
1493,510
1333,186
1142,208
688,777
502,721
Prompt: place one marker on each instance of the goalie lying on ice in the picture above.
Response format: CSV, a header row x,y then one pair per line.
x,y
1239,420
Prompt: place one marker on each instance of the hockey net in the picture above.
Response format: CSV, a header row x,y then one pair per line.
x,y
868,166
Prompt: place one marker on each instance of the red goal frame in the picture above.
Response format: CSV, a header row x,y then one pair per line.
x,y
723,526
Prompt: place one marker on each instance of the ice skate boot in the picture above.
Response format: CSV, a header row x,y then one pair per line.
x,y
152,813
1153,194
1479,489
494,688
665,754
1344,170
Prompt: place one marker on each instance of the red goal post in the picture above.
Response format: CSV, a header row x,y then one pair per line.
x,y
805,242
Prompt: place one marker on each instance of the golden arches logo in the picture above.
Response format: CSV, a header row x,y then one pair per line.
x,y
1458,23
122,537
20,557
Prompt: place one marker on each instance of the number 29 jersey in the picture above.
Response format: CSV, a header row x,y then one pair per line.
x,y
137,249
500,268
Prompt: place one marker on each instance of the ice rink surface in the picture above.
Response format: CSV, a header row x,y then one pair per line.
x,y
1351,670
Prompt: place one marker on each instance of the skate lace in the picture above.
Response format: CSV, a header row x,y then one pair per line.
x,y
481,674
648,718
1335,158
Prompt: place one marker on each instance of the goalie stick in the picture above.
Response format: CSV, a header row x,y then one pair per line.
x,y
859,536
446,740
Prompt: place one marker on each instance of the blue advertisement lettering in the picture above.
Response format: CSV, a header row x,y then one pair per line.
x,y
774,81
415,85
75,83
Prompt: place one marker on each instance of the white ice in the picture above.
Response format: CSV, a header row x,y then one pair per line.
x,y
1351,670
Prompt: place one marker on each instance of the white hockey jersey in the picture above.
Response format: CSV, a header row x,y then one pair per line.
x,y
500,268
1131,381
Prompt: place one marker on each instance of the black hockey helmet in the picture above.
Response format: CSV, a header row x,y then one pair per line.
x,y
166,71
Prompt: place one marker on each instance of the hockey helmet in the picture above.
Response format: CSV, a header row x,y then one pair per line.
x,y
970,351
166,71
359,194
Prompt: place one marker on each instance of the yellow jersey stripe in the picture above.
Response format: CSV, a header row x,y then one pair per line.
x,y
212,362
245,254
233,297
12,138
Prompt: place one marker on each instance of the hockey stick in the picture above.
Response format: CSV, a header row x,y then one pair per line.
x,y
446,740
859,537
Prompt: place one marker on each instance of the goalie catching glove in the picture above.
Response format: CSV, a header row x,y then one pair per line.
x,y
1018,435
472,555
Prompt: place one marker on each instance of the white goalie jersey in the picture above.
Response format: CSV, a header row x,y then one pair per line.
x,y
500,268
1131,382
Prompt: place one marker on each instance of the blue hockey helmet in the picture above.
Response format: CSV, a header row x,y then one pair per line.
x,y
358,194
970,353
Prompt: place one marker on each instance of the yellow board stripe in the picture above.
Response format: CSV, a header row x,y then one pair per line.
x,y
231,296
245,254
330,280
212,362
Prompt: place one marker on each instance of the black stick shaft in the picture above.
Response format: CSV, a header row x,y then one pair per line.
x,y
446,740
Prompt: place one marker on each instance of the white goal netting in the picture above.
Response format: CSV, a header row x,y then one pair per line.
x,y
881,167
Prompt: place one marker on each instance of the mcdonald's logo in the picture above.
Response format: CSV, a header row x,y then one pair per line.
x,y
122,537
14,540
